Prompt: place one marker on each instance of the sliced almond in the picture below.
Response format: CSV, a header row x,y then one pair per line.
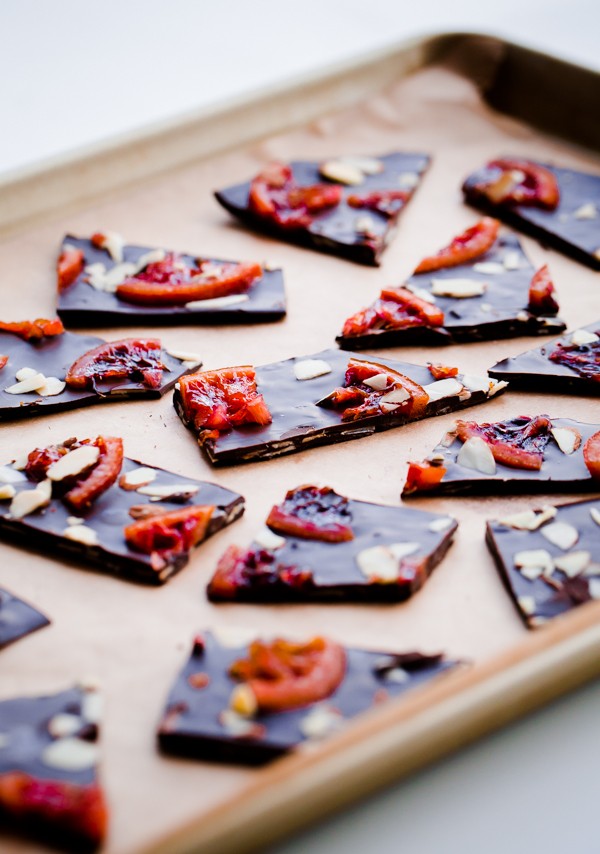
x,y
192,359
458,288
595,514
70,754
217,302
64,724
32,383
489,268
560,534
512,261
529,558
320,721
379,382
381,564
439,525
528,520
476,454
475,383
52,387
581,337
135,478
81,534
74,462
108,280
443,388
114,244
531,572
574,563
26,374
341,172
8,474
169,490
395,396
568,439
587,211
310,369
7,491
269,540
29,500
366,165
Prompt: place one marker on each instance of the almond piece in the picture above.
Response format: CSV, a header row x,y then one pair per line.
x,y
32,383
114,244
310,369
489,268
269,540
574,563
64,724
458,288
378,382
7,491
439,525
443,388
475,383
81,534
534,558
512,261
595,514
476,454
341,173
409,179
381,564
568,439
217,302
191,359
8,474
70,754
587,211
74,462
29,500
526,604
581,337
135,478
364,225
169,490
26,374
232,637
320,721
560,534
52,387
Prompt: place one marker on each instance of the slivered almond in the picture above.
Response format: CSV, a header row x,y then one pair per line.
x,y
310,369
32,383
10,475
560,534
476,454
573,563
74,462
26,374
568,439
458,288
135,478
29,500
394,397
475,383
503,186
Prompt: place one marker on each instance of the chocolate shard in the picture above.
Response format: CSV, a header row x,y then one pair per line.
x,y
357,234
18,618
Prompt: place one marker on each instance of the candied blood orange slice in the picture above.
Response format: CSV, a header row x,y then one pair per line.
x,y
138,359
376,390
386,202
40,459
172,533
69,266
441,372
283,675
582,358
396,308
253,567
591,455
208,281
275,195
520,182
423,476
471,244
541,293
313,513
519,444
100,477
34,330
222,399
77,813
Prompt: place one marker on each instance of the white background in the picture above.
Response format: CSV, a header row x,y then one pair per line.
x,y
74,72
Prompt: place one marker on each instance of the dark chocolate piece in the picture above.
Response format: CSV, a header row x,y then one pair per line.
x,y
560,557
44,529
299,423
560,472
197,721
534,370
53,357
80,304
571,228
48,779
339,230
17,618
392,553
500,312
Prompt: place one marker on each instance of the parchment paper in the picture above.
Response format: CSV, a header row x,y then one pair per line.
x,y
135,639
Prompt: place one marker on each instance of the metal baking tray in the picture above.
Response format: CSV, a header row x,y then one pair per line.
x,y
460,97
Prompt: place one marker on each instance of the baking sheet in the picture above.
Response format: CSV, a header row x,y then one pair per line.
x,y
135,639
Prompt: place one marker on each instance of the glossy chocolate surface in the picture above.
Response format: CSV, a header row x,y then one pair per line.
x,y
298,423
335,230
80,304
560,472
559,228
534,371
43,529
17,618
500,312
335,573
540,599
193,726
53,357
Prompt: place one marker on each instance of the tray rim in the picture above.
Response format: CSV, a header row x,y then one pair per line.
x,y
410,732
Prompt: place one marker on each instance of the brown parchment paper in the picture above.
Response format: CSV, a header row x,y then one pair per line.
x,y
135,639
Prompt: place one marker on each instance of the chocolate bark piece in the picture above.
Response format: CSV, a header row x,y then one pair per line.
x,y
573,227
18,618
81,304
392,553
53,357
299,423
560,471
104,546
357,234
48,768
549,559
534,370
198,723
500,311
